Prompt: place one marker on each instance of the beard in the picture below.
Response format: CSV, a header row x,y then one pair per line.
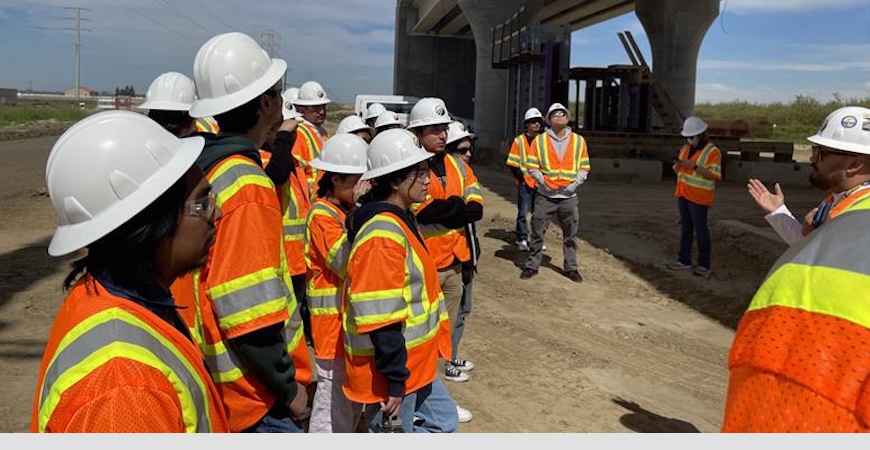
x,y
825,182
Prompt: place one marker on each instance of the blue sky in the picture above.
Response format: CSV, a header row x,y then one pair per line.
x,y
756,50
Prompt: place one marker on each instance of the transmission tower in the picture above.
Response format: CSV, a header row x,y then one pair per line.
x,y
271,42
78,29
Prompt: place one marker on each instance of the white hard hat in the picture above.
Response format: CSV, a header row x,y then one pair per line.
x,y
374,110
393,150
533,113
288,111
693,126
170,91
351,124
428,111
230,70
456,131
311,93
387,118
342,153
107,168
846,129
556,107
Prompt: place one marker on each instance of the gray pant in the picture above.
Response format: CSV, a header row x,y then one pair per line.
x,y
567,213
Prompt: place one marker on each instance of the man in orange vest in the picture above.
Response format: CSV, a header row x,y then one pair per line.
x,y
119,359
311,102
559,162
240,305
698,167
800,361
533,121
834,144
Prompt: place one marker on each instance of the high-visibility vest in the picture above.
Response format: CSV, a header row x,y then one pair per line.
x,y
111,365
690,184
295,203
518,156
830,208
558,172
800,361
307,147
326,252
447,245
207,125
245,286
391,279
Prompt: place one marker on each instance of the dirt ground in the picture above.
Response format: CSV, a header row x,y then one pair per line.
x,y
635,347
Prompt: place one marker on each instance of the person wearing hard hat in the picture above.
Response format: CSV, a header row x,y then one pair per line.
x,y
342,162
311,103
372,112
240,306
842,187
394,321
558,161
698,167
118,358
168,100
800,358
387,120
533,124
460,144
355,125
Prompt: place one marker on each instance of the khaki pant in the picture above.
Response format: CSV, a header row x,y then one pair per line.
x,y
451,284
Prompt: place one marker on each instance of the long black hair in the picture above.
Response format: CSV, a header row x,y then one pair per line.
x,y
382,186
325,184
127,253
173,121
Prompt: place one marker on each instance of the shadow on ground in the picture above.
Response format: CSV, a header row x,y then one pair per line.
x,y
644,421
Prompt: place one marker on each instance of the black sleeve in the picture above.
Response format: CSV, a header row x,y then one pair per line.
x,y
263,352
441,212
281,164
391,357
517,173
472,212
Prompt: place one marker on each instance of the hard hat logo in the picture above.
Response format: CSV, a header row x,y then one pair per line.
x,y
288,104
439,110
416,141
320,94
849,122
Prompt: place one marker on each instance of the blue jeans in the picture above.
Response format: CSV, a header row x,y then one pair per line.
x,y
525,205
464,311
431,404
693,218
277,420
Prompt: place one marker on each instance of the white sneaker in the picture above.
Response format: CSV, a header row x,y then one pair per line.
x,y
463,365
453,374
464,414
523,245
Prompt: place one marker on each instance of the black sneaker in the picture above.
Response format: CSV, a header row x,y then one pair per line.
x,y
574,275
528,273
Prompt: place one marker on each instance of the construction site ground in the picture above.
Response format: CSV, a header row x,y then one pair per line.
x,y
635,347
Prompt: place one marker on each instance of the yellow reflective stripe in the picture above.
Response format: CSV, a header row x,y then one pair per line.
x,y
696,181
435,230
251,175
267,295
197,330
366,236
376,295
221,364
816,289
75,373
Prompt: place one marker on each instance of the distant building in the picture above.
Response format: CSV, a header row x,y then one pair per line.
x,y
83,91
8,96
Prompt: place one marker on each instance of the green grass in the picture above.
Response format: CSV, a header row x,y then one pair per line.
x,y
32,111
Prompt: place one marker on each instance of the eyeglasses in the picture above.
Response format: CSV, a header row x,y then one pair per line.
x,y
820,150
203,207
558,113
416,174
463,149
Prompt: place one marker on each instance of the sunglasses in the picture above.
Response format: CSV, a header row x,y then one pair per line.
x,y
558,113
820,150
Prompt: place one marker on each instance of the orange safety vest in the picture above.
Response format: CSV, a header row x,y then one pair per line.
x,y
557,172
448,245
830,208
207,125
113,366
392,279
244,287
307,147
326,252
295,203
690,184
800,361
517,157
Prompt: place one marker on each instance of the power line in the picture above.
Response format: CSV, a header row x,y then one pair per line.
x,y
78,29
148,18
178,12
208,10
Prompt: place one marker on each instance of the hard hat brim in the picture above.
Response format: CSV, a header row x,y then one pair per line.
x,y
69,238
840,145
158,105
322,101
207,107
462,136
693,133
425,123
398,165
319,164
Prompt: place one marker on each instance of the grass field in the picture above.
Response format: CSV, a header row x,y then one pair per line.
x,y
32,110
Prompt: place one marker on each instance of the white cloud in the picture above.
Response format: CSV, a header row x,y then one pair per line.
x,y
745,6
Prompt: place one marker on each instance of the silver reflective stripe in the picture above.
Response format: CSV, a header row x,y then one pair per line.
x,y
339,260
379,307
418,285
323,301
364,342
222,362
294,230
249,297
115,330
842,243
226,179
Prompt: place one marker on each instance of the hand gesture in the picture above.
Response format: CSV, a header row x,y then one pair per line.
x,y
362,187
288,125
392,406
808,222
766,200
685,163
298,404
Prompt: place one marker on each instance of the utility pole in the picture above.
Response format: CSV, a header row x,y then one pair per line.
x,y
78,29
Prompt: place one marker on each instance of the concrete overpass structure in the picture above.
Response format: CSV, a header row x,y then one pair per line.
x,y
444,48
